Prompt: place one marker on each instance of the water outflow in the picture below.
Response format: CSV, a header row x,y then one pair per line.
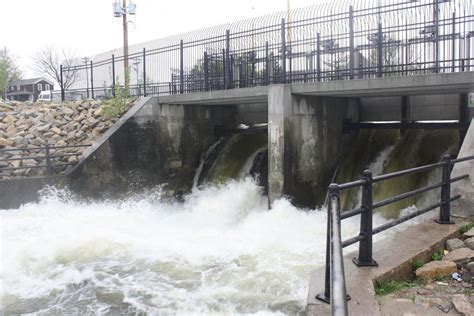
x,y
386,151
234,158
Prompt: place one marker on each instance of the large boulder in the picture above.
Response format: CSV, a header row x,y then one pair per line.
x,y
453,244
461,255
435,269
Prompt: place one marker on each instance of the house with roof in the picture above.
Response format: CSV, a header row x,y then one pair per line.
x,y
28,89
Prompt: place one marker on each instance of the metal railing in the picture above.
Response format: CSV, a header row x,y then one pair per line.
x,y
334,269
341,40
46,158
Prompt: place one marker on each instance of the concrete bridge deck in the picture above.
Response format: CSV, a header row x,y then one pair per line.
x,y
444,83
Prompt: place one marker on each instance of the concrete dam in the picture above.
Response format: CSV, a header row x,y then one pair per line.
x,y
209,195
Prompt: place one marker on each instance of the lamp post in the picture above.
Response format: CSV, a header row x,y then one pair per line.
x,y
122,11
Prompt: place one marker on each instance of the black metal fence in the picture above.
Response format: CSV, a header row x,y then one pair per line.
x,y
337,41
334,262
38,161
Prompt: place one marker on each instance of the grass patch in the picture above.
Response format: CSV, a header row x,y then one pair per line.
x,y
417,264
438,255
388,287
464,228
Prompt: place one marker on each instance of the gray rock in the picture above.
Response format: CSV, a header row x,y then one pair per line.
x,y
460,256
453,244
435,269
462,305
470,267
469,243
469,233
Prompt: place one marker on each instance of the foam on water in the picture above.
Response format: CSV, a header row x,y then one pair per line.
x,y
220,251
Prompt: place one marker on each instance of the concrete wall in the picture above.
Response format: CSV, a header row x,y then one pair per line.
x,y
15,192
426,107
154,144
465,187
252,113
306,142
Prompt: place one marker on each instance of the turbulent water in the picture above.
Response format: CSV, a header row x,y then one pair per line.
x,y
220,251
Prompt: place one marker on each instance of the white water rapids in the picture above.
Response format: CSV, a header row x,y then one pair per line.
x,y
218,252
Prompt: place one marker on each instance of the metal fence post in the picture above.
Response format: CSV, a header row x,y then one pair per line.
x,y
365,245
453,46
61,83
267,65
326,295
445,208
113,75
144,72
318,57
181,67
283,51
227,83
92,79
206,72
49,166
436,44
379,50
351,42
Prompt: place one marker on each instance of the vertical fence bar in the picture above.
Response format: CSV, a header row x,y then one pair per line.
x,y
227,60
404,113
267,65
436,43
92,80
62,82
318,56
463,116
351,42
206,72
283,51
445,209
365,245
49,166
453,46
181,67
224,69
113,75
379,50
144,72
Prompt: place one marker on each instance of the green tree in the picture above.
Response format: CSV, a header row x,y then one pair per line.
x,y
9,71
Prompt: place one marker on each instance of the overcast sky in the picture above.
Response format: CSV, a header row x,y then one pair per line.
x,y
88,27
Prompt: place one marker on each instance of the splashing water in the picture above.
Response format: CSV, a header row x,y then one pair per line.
x,y
220,251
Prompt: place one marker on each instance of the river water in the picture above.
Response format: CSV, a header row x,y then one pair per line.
x,y
218,252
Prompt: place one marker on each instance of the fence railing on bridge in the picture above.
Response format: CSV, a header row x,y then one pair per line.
x,y
336,41
334,274
47,160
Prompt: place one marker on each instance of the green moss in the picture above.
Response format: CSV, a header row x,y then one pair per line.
x,y
415,148
234,155
466,227
365,148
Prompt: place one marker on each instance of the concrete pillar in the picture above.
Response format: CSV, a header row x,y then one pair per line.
x,y
279,106
305,144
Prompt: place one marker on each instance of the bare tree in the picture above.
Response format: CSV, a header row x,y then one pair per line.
x,y
48,61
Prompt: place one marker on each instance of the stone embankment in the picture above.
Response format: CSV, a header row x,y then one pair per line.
x,y
33,125
444,286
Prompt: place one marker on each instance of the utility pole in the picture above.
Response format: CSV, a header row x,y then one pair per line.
x,y
125,40
122,10
86,60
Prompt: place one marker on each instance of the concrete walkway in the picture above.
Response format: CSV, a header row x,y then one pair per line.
x,y
394,256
